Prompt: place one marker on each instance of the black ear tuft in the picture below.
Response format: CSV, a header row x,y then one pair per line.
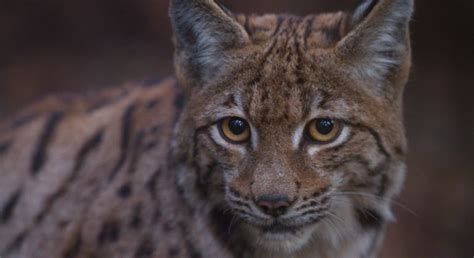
x,y
204,33
363,11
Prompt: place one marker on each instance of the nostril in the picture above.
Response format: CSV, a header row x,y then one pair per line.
x,y
273,205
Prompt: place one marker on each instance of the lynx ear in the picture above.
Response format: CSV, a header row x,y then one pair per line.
x,y
378,44
204,33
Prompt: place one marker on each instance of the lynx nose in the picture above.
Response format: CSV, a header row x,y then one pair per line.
x,y
273,205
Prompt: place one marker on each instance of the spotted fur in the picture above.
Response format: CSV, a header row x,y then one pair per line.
x,y
143,170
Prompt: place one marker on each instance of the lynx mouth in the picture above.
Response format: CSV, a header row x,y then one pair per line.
x,y
281,237
279,228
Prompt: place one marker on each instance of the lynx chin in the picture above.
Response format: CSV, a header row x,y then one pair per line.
x,y
279,136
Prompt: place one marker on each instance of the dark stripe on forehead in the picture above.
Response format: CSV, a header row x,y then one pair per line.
x,y
333,34
231,101
280,20
299,59
308,30
261,64
325,97
308,97
127,127
40,155
292,20
257,78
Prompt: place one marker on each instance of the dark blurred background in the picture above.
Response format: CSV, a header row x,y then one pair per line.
x,y
48,46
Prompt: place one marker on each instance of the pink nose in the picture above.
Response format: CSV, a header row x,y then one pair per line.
x,y
273,205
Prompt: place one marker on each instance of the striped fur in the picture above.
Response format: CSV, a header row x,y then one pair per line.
x,y
81,179
144,171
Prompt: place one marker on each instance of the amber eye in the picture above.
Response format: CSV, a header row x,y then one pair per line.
x,y
323,130
235,129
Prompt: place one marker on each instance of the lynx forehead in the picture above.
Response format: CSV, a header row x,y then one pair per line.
x,y
290,143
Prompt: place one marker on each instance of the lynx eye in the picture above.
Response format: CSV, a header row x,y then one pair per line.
x,y
323,130
235,129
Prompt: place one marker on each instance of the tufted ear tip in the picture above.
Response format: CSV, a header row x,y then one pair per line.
x,y
377,46
204,31
398,7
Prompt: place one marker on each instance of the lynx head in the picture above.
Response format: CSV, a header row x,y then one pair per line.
x,y
294,123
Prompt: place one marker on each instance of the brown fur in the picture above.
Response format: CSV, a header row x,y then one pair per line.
x,y
95,176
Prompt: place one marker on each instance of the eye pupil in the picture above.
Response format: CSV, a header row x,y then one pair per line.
x,y
234,129
237,126
324,126
323,130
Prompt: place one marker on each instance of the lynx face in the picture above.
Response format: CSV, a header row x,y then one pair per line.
x,y
294,124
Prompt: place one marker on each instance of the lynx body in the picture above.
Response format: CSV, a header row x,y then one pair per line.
x,y
285,140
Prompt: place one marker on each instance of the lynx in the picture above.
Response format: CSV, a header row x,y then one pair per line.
x,y
281,136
